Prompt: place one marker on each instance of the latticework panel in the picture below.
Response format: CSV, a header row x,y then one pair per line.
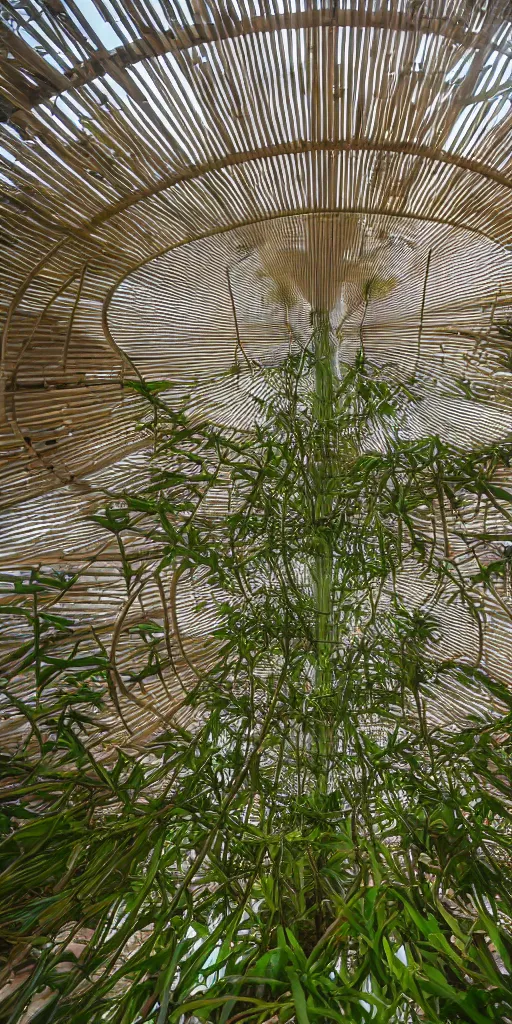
x,y
181,183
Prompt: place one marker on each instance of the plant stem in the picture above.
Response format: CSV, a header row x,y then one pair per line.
x,y
323,571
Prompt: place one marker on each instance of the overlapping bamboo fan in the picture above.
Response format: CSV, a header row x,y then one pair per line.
x,y
182,182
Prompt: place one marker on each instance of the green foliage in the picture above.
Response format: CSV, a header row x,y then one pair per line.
x,y
315,848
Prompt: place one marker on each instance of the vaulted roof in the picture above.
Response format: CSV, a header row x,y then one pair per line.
x,y
165,164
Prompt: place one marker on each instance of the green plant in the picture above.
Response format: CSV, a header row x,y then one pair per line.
x,y
319,845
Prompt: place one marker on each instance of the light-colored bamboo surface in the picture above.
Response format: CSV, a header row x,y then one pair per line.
x,y
180,183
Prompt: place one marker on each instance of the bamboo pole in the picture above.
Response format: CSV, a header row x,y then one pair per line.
x,y
323,569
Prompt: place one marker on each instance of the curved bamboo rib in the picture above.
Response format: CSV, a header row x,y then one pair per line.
x,y
298,146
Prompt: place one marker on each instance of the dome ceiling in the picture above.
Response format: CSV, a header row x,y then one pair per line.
x,y
182,183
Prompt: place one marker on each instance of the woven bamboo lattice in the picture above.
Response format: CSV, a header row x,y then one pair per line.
x,y
170,171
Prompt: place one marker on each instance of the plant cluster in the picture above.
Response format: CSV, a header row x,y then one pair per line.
x,y
321,844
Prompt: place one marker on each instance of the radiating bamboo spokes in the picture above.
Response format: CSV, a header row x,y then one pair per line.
x,y
396,285
180,187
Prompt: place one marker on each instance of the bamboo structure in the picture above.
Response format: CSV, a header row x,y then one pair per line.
x,y
181,184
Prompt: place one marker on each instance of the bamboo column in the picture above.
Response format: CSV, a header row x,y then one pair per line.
x,y
324,410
